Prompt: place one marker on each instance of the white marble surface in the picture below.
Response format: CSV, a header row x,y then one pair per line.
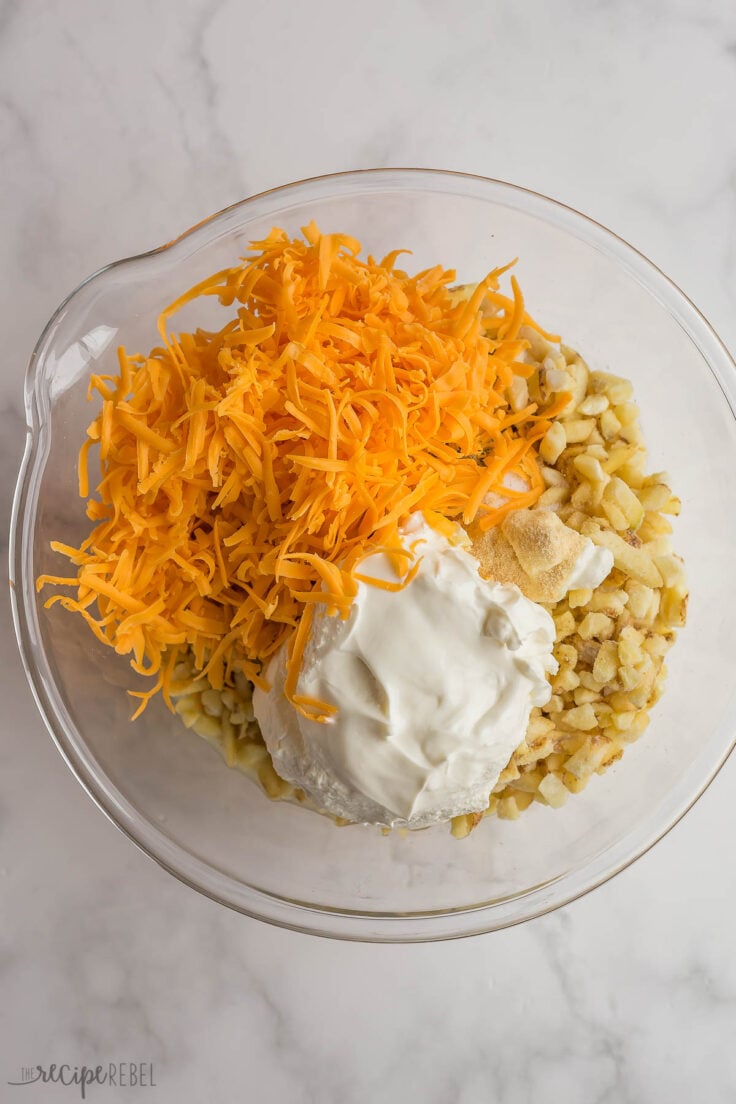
x,y
120,125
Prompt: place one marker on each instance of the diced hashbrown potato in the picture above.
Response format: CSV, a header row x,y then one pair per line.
x,y
552,497
553,791
606,662
597,626
553,443
507,809
610,426
577,598
632,561
655,496
594,404
518,393
578,430
580,717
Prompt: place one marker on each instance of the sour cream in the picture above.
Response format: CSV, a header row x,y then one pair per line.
x,y
433,686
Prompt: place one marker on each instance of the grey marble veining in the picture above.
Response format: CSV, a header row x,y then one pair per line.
x,y
121,125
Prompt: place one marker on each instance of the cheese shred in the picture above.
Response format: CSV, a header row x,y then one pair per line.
x,y
246,473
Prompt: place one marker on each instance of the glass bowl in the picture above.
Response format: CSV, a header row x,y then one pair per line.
x,y
171,792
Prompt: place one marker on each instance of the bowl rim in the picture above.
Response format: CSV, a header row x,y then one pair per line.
x,y
422,926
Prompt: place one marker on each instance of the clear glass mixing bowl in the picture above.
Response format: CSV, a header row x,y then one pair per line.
x,y
171,792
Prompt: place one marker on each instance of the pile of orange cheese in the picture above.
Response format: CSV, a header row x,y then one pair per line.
x,y
245,473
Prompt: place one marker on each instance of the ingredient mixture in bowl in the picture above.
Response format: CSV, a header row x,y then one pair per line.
x,y
383,540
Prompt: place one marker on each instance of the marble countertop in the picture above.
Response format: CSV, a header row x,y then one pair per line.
x,y
121,125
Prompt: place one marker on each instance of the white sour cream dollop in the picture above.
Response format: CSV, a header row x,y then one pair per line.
x,y
433,686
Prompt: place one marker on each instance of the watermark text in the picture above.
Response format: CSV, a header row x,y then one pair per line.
x,y
121,1075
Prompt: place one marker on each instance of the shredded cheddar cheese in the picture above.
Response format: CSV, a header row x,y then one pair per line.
x,y
245,473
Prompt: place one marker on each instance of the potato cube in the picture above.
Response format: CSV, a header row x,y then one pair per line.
x,y
590,468
566,655
576,598
565,625
615,515
632,561
655,497
552,477
581,717
629,677
671,569
553,496
553,790
673,506
578,430
595,625
673,608
518,393
606,662
553,443
610,425
640,599
565,680
583,696
527,782
508,809
619,494
593,404
590,756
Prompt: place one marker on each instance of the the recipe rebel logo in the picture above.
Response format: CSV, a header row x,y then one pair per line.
x,y
120,1075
